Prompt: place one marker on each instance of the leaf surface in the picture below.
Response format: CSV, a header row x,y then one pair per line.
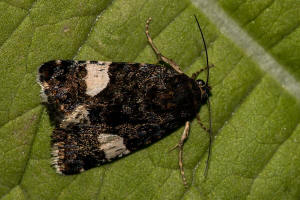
x,y
255,120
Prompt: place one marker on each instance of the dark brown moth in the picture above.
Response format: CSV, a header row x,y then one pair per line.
x,y
105,110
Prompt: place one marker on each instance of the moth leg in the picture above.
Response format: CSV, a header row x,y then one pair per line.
x,y
180,144
202,125
196,74
160,57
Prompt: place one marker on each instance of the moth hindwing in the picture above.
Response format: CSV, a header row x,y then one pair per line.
x,y
105,110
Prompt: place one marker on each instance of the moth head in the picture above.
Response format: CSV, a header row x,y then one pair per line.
x,y
204,88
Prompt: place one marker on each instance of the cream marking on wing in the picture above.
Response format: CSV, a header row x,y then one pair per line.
x,y
112,145
97,78
77,116
44,85
55,158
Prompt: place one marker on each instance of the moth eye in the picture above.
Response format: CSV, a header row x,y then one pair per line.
x,y
200,82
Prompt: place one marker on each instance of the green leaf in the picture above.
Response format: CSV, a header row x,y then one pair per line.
x,y
255,110
274,24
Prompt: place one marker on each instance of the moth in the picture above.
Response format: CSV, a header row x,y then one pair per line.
x,y
106,110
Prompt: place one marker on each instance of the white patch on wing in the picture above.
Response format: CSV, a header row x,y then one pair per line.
x,y
79,114
97,77
43,95
58,62
112,145
44,85
56,158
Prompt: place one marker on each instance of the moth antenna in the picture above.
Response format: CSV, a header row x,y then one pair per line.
x,y
208,101
204,43
210,139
